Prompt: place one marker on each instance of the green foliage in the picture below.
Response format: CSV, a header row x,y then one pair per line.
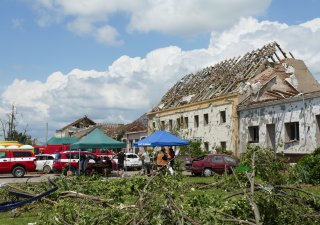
x,y
307,169
223,151
21,137
194,149
269,166
179,199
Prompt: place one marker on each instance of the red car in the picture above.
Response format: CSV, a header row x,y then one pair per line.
x,y
213,163
17,162
70,159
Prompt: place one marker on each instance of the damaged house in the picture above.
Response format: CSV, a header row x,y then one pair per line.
x,y
281,110
229,105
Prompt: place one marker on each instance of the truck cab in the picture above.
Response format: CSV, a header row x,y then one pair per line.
x,y
17,162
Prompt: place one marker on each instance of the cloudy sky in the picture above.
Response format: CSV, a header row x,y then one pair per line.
x,y
112,60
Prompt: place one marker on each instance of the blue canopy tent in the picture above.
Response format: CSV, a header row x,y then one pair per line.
x,y
161,138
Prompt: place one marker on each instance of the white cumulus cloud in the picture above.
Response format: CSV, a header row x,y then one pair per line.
x,y
130,86
180,17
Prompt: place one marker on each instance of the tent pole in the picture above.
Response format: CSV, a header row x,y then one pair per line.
x,y
79,163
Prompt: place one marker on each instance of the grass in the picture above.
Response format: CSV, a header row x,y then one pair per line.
x,y
22,219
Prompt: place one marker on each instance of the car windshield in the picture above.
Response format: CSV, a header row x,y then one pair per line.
x,y
229,159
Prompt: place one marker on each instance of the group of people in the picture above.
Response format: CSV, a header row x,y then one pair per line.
x,y
162,160
100,166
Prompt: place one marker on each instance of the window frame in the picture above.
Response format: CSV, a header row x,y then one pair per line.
x,y
185,122
292,132
18,154
196,121
223,116
253,134
206,119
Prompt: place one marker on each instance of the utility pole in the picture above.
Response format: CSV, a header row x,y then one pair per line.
x,y
47,132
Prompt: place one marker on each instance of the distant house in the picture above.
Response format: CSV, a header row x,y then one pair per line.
x,y
134,132
75,127
128,133
205,106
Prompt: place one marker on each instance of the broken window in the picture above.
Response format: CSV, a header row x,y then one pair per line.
x,y
222,116
178,123
162,125
205,119
292,131
170,125
223,145
154,125
185,123
196,121
206,146
253,134
181,122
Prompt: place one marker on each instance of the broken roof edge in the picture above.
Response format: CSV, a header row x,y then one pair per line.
x,y
214,78
296,98
77,121
206,101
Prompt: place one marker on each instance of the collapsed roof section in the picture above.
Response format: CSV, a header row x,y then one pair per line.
x,y
285,80
227,77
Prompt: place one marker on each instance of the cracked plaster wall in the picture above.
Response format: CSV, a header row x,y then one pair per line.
x,y
304,111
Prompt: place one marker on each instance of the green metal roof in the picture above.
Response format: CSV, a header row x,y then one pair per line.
x,y
97,139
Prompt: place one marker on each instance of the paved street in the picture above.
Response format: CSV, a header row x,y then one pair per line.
x,y
38,177
30,177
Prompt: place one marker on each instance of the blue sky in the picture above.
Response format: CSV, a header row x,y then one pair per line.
x,y
62,59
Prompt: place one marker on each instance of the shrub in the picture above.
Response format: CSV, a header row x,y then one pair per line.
x,y
194,149
308,167
269,166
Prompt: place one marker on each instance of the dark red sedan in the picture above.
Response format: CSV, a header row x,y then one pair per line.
x,y
207,165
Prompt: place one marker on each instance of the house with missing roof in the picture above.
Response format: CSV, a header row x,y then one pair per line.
x,y
288,124
254,99
82,124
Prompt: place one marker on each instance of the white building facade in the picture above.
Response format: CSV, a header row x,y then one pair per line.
x,y
213,122
289,126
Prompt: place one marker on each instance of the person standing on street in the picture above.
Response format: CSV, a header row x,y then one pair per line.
x,y
121,158
146,162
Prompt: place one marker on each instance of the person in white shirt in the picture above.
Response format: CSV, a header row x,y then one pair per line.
x,y
146,162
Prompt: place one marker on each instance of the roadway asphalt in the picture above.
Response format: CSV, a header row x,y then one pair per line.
x,y
38,177
30,177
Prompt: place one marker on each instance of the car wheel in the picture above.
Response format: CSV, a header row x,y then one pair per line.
x,y
18,171
46,169
207,172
